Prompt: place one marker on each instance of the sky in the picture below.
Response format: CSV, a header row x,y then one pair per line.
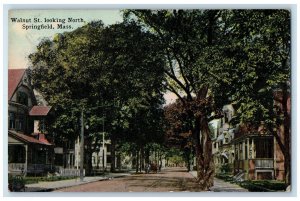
x,y
22,42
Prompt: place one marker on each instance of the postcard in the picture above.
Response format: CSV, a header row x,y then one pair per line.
x,y
165,100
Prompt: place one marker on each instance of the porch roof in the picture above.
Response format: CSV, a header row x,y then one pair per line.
x,y
27,139
39,110
252,135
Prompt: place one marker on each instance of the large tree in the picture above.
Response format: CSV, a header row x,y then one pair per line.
x,y
255,63
225,56
186,36
178,130
108,72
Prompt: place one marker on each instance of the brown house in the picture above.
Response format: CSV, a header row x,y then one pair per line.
x,y
29,151
257,153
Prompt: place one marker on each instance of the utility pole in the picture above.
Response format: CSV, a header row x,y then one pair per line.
x,y
81,147
103,154
103,143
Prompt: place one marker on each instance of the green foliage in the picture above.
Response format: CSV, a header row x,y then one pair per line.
x,y
263,186
31,180
225,176
253,57
225,168
113,73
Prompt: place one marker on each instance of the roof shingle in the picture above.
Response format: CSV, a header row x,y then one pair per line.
x,y
14,78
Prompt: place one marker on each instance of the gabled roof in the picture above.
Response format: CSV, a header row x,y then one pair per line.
x,y
28,139
39,111
14,78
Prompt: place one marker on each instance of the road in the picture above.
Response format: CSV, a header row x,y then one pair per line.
x,y
168,180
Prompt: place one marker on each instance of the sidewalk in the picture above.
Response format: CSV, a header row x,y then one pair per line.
x,y
223,186
54,185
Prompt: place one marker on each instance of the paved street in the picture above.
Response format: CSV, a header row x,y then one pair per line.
x,y
169,180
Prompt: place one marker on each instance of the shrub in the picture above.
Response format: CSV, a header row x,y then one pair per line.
x,y
225,168
263,185
31,180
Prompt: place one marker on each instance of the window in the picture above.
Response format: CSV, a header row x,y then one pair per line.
x,y
236,152
12,120
16,154
108,147
20,122
108,159
22,98
264,148
226,140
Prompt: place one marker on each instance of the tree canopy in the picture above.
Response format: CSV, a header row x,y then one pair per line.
x,y
113,73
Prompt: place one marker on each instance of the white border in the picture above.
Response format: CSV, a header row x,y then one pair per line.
x,y
117,4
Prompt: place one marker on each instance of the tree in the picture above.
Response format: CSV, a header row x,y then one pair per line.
x,y
256,65
95,69
216,57
186,38
178,133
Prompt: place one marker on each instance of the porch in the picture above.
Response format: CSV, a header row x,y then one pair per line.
x,y
254,155
27,155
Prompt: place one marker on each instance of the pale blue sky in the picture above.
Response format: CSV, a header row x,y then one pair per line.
x,y
23,42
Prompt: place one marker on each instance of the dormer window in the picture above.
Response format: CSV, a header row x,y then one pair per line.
x,y
22,98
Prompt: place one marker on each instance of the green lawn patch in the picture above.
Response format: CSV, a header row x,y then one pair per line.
x,y
31,180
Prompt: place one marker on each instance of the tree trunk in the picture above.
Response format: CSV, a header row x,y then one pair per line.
x,y
88,162
142,159
287,135
203,148
137,162
203,143
113,155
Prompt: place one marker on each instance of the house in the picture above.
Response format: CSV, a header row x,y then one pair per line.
x,y
257,152
223,152
254,153
29,150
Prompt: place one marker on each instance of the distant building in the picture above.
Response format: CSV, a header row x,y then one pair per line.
x,y
223,151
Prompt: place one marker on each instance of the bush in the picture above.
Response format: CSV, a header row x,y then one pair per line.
x,y
224,176
225,168
16,183
263,186
31,180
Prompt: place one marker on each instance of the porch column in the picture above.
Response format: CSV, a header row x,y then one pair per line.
x,y
274,159
243,147
248,149
253,151
238,151
26,159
